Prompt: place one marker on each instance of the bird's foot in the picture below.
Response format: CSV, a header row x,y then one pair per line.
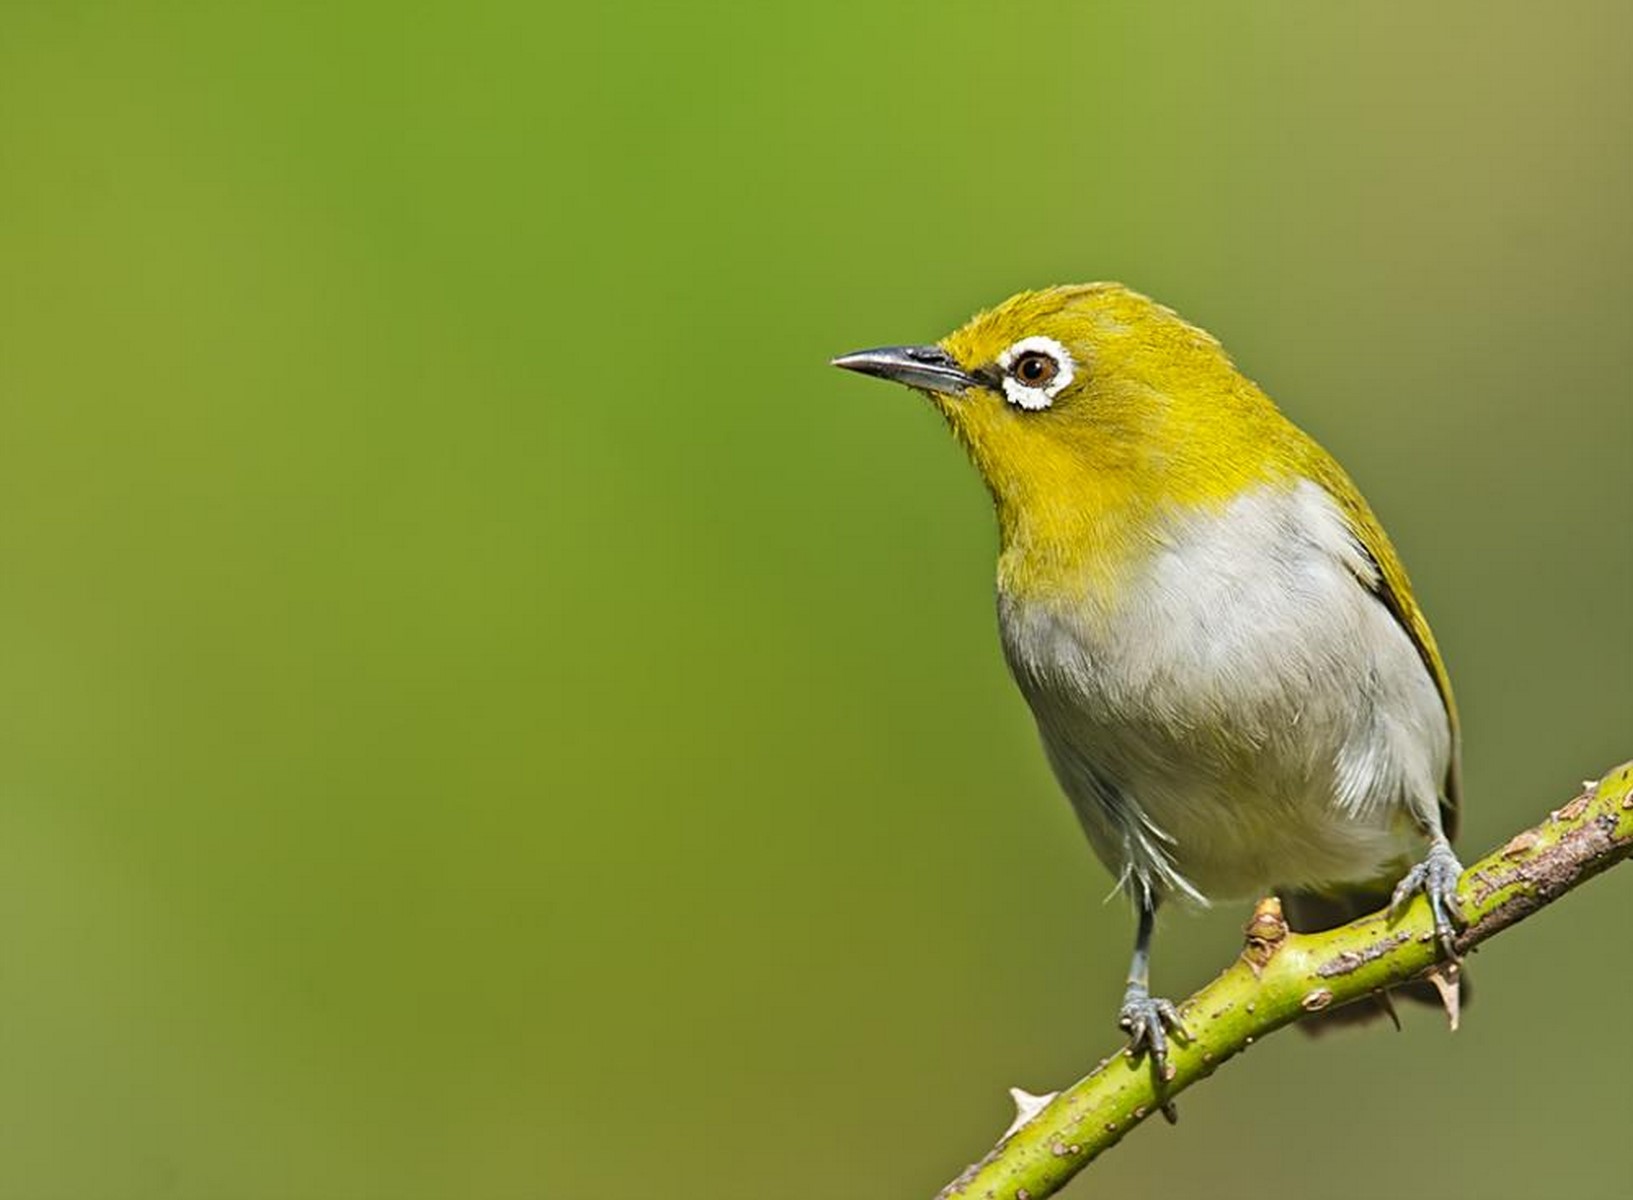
x,y
1436,877
1148,1021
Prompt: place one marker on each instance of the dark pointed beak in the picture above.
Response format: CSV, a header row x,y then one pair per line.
x,y
929,368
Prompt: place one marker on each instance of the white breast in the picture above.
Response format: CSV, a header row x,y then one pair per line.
x,y
1248,714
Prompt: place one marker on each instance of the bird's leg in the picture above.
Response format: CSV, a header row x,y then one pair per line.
x,y
1147,1021
1436,877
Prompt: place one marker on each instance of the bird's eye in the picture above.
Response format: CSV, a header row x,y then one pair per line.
x,y
1035,369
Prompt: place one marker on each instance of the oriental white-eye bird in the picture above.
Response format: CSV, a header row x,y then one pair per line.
x,y
1232,680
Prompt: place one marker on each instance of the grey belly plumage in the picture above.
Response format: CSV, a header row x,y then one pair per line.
x,y
1243,712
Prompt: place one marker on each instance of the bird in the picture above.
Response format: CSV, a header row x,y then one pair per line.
x,y
1230,675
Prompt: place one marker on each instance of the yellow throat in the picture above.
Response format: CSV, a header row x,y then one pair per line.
x,y
1155,420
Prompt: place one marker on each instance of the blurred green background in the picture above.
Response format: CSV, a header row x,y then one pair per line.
x,y
485,711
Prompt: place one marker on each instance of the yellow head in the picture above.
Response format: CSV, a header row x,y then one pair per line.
x,y
1088,410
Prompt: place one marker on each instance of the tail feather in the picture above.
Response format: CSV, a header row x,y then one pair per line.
x,y
1312,912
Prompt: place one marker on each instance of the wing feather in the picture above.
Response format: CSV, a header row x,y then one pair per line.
x,y
1393,590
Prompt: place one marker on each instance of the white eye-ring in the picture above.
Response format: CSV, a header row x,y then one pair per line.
x,y
1036,369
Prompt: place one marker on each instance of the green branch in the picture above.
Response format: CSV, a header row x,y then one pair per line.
x,y
1283,976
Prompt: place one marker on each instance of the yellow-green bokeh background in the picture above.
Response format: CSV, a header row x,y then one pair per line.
x,y
486,712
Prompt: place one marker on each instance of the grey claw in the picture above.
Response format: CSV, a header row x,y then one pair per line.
x,y
1436,877
1148,1021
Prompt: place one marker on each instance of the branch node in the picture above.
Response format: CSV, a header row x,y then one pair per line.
x,y
1317,1000
1520,843
1265,932
1576,807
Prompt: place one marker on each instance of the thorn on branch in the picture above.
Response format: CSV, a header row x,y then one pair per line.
x,y
1448,981
1027,1106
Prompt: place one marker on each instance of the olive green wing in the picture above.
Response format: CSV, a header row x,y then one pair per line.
x,y
1394,592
